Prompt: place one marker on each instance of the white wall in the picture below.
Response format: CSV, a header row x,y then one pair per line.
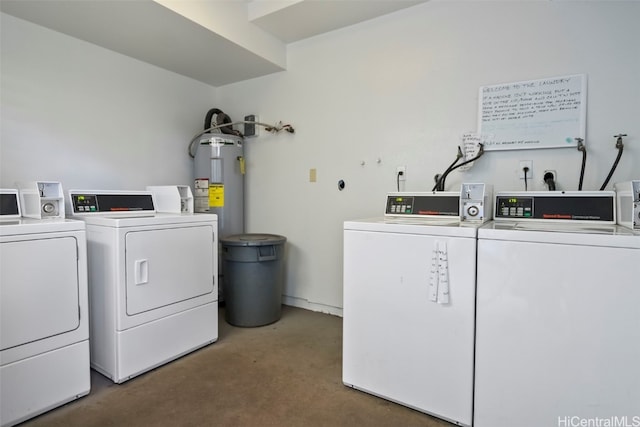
x,y
91,118
402,89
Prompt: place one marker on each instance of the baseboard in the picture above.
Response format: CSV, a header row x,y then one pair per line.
x,y
312,306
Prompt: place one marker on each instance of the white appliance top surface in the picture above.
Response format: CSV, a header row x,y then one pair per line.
x,y
427,226
123,220
33,226
562,233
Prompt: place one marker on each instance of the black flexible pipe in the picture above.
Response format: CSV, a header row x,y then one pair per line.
x,y
551,183
620,148
440,181
444,175
221,119
209,116
613,168
582,148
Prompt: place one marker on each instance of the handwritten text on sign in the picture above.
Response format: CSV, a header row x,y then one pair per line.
x,y
544,113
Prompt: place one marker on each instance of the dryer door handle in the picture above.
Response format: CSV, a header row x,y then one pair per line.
x,y
141,271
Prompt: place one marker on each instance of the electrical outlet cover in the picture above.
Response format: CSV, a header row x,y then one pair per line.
x,y
522,165
402,169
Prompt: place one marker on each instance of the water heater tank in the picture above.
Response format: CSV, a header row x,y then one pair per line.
x,y
220,159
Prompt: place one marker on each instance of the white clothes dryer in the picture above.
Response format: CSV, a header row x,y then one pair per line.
x,y
152,281
44,316
558,325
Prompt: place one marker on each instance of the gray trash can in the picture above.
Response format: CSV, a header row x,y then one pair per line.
x,y
254,272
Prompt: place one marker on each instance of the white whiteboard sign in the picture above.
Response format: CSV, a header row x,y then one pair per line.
x,y
545,113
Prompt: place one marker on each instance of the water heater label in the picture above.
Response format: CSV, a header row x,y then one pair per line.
x,y
216,195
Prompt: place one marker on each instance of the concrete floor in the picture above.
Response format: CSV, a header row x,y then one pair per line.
x,y
285,374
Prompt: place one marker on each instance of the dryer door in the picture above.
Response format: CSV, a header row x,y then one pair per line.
x,y
39,289
168,267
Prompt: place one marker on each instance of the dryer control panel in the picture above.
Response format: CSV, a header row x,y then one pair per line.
x,y
86,202
583,206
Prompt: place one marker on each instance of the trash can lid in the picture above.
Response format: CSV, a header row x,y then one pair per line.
x,y
255,239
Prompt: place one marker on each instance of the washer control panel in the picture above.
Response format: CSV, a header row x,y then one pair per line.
x,y
434,204
583,206
514,207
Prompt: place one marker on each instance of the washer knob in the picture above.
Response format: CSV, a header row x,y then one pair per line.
x,y
473,210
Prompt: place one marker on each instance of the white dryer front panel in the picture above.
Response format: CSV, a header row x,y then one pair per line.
x,y
167,266
40,292
158,271
153,283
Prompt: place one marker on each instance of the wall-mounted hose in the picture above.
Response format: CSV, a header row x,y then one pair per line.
x,y
398,175
620,147
443,177
551,183
582,148
225,125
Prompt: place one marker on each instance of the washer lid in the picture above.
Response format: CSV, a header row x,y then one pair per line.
x,y
256,239
449,227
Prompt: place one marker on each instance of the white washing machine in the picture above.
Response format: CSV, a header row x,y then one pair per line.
x,y
558,324
409,305
153,288
44,319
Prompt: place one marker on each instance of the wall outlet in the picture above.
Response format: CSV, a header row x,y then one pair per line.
x,y
525,164
250,129
401,173
553,176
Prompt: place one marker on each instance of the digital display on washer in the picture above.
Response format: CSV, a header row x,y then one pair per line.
x,y
571,208
83,203
514,207
423,205
9,204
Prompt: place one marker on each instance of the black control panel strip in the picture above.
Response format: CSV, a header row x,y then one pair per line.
x,y
83,203
423,205
570,208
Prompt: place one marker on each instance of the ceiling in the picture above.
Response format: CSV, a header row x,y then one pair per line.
x,y
302,19
214,42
